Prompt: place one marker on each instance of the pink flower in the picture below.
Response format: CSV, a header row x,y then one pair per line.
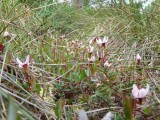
x,y
105,40
92,40
102,41
138,57
92,59
99,41
107,64
90,49
23,64
139,93
100,54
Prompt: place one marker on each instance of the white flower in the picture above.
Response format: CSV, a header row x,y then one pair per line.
x,y
108,116
139,93
6,33
105,40
107,64
99,41
100,54
23,64
138,57
102,41
92,40
92,59
90,49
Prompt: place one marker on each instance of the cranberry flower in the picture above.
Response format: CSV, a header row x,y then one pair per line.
x,y
23,64
138,57
139,93
107,64
100,54
92,59
93,40
102,41
90,49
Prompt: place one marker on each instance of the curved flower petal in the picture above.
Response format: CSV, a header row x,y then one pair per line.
x,y
135,87
90,49
92,59
107,64
135,91
99,41
19,63
140,93
27,60
105,39
138,57
143,92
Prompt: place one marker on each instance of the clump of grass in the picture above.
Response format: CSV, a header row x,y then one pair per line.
x,y
63,76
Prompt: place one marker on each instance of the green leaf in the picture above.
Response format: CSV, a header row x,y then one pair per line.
x,y
12,112
83,74
128,109
76,77
38,87
57,109
147,110
26,114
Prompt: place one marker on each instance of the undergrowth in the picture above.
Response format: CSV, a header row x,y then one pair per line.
x,y
62,76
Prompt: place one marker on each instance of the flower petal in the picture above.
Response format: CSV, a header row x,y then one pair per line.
x,y
135,91
19,63
27,60
143,92
135,87
138,57
107,64
99,41
105,39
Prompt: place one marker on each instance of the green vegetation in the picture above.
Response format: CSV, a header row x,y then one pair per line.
x,y
62,76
